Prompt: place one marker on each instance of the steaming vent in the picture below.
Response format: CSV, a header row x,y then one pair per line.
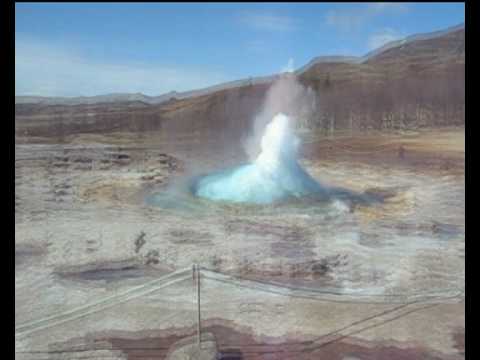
x,y
273,176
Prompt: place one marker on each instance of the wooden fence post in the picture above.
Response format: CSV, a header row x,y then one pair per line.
x,y
199,333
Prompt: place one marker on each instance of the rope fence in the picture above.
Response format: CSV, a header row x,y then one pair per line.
x,y
81,311
329,295
399,301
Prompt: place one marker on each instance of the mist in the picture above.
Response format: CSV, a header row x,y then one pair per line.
x,y
286,96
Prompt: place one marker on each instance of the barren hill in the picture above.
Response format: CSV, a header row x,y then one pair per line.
x,y
417,82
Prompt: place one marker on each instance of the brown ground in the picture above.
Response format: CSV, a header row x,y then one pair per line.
x,y
77,211
239,344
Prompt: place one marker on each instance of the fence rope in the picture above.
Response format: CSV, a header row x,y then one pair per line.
x,y
327,295
97,345
255,284
107,302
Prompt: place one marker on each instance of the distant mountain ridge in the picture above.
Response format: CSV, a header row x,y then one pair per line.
x,y
152,100
387,46
411,83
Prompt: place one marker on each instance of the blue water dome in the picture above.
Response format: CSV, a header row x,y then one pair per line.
x,y
275,174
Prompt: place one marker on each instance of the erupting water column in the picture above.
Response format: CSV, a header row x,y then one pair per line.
x,y
274,175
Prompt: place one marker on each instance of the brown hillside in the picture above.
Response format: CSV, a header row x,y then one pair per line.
x,y
420,83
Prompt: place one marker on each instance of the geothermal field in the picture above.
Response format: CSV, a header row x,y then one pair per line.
x,y
262,239
343,249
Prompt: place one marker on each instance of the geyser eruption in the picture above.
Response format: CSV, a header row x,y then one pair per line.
x,y
274,175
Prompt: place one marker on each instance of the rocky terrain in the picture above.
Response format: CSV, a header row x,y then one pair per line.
x,y
85,233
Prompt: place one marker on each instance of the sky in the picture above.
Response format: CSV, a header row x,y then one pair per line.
x,y
74,49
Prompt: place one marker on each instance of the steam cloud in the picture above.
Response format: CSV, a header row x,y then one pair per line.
x,y
274,172
286,96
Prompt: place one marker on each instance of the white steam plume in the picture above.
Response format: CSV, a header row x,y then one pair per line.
x,y
286,96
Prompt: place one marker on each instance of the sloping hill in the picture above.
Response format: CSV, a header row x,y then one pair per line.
x,y
419,81
416,83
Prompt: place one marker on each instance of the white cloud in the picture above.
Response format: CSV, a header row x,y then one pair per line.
x,y
257,46
345,20
268,21
289,67
349,19
382,37
388,6
41,69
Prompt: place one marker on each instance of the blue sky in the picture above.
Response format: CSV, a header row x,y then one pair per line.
x,y
73,49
